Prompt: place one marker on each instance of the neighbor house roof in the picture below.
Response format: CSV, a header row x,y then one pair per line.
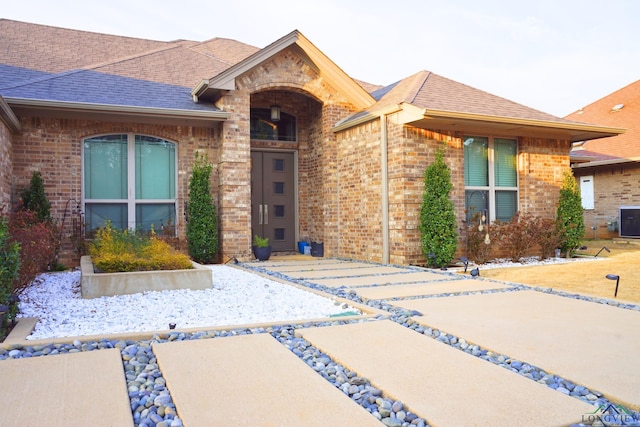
x,y
431,101
620,109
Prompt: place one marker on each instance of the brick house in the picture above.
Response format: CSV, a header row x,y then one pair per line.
x,y
300,149
608,169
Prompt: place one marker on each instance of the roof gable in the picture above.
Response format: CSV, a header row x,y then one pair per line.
x,y
318,60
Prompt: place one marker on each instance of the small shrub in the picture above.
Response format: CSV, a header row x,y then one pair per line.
x,y
260,242
570,219
516,236
479,241
202,223
34,198
9,266
39,242
124,251
439,237
546,234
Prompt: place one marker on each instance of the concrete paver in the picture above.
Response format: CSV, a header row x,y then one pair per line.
x,y
326,265
76,389
344,272
251,380
592,344
423,289
444,385
405,276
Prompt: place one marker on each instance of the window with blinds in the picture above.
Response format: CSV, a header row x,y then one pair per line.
x,y
129,180
490,177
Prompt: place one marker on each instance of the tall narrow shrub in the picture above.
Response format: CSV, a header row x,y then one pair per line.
x,y
570,219
439,236
9,264
202,223
34,199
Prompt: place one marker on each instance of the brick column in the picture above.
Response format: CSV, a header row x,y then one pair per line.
x,y
234,177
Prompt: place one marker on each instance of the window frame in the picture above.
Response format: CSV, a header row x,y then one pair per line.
x,y
280,134
132,201
491,189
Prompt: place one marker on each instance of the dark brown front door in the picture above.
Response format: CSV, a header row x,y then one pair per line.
x,y
273,198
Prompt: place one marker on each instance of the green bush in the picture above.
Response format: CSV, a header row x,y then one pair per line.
x,y
202,223
9,266
260,242
439,237
34,198
570,219
115,251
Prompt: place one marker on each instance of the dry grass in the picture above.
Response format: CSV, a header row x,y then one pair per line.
x,y
585,277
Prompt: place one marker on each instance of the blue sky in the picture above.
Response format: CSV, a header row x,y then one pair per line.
x,y
555,56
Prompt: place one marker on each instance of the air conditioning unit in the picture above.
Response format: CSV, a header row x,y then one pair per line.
x,y
629,221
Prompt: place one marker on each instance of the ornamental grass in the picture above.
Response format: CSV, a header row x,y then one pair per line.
x,y
114,251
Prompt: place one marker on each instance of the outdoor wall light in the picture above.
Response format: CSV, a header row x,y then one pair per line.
x,y
604,248
172,325
275,113
475,272
617,279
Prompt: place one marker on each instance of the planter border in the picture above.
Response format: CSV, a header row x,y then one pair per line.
x,y
96,285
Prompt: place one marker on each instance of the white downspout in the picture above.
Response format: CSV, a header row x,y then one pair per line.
x,y
385,188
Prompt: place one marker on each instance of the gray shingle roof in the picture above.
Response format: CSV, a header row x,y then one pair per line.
x,y
86,86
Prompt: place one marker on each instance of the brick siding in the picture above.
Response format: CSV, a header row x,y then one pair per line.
x,y
613,186
54,148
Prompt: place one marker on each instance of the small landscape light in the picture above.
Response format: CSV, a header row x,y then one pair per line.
x,y
475,272
465,261
617,279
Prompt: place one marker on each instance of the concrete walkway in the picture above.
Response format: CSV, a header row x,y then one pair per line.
x,y
254,380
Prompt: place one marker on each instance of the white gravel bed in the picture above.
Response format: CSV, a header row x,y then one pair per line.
x,y
236,297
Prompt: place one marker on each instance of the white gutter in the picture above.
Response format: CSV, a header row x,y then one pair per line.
x,y
606,162
122,109
8,117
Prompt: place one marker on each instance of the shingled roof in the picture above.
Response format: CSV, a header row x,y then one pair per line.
x,y
43,66
43,63
431,101
620,109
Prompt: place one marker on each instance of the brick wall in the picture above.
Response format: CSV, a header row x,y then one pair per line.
x,y
359,178
6,167
613,186
541,166
541,163
54,147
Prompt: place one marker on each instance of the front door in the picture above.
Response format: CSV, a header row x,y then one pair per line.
x,y
273,198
